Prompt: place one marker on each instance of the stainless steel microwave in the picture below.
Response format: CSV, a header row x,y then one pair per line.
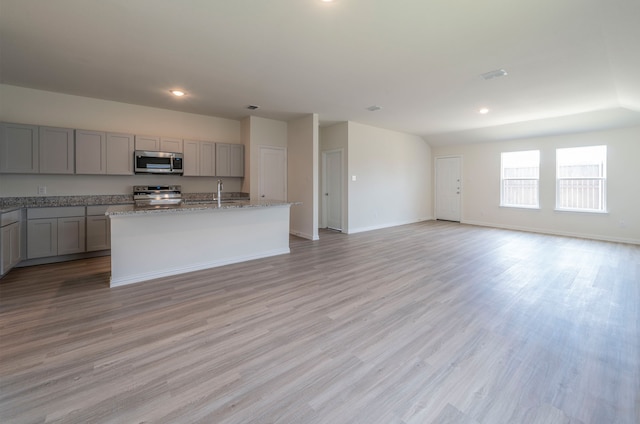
x,y
146,162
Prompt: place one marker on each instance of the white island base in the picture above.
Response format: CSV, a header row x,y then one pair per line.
x,y
148,244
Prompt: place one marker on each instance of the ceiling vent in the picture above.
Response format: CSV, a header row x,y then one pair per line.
x,y
373,108
494,74
253,107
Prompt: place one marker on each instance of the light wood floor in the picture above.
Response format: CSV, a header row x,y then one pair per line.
x,y
428,323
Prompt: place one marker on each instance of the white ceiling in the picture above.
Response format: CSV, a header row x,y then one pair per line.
x,y
573,65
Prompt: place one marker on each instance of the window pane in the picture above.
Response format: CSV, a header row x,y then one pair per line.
x,y
581,194
520,193
581,178
520,175
582,162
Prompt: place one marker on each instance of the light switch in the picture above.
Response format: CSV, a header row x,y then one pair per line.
x,y
353,178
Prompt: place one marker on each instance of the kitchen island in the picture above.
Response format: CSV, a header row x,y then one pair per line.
x,y
149,242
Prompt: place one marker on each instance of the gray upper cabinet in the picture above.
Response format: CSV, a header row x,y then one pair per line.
x,y
199,158
19,148
120,154
229,160
207,158
191,166
91,152
168,144
154,143
148,142
56,150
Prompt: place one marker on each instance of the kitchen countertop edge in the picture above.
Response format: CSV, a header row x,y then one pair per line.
x,y
119,210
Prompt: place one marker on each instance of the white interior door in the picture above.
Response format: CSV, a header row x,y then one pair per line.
x,y
273,173
332,188
448,188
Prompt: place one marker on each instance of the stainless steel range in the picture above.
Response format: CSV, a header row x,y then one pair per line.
x,y
157,196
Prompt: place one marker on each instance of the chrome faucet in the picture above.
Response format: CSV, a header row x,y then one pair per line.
x,y
219,192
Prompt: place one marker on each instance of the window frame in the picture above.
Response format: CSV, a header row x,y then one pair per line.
x,y
602,179
503,204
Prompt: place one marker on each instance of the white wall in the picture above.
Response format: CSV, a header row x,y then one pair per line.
x,y
393,178
28,106
335,137
260,132
302,175
481,186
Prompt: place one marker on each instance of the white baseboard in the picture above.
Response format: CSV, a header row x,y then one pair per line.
x,y
196,267
554,232
304,235
387,225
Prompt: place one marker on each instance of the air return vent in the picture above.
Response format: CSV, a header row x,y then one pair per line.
x,y
494,74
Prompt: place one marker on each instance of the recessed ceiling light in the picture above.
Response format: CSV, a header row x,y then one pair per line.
x,y
177,93
373,108
483,111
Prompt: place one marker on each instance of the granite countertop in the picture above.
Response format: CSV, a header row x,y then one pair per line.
x,y
55,201
194,206
8,204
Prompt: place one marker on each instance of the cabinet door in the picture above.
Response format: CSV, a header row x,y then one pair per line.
x,y
170,145
98,233
42,238
91,152
71,235
15,243
236,160
19,148
148,142
191,163
119,154
222,159
5,248
10,240
207,158
56,150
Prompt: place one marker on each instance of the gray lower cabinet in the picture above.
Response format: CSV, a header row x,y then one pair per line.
x,y
10,241
42,237
98,230
71,235
55,231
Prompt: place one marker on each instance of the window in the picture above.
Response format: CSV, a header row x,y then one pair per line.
x,y
581,179
520,179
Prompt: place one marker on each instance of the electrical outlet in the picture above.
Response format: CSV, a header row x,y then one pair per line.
x,y
42,190
353,178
